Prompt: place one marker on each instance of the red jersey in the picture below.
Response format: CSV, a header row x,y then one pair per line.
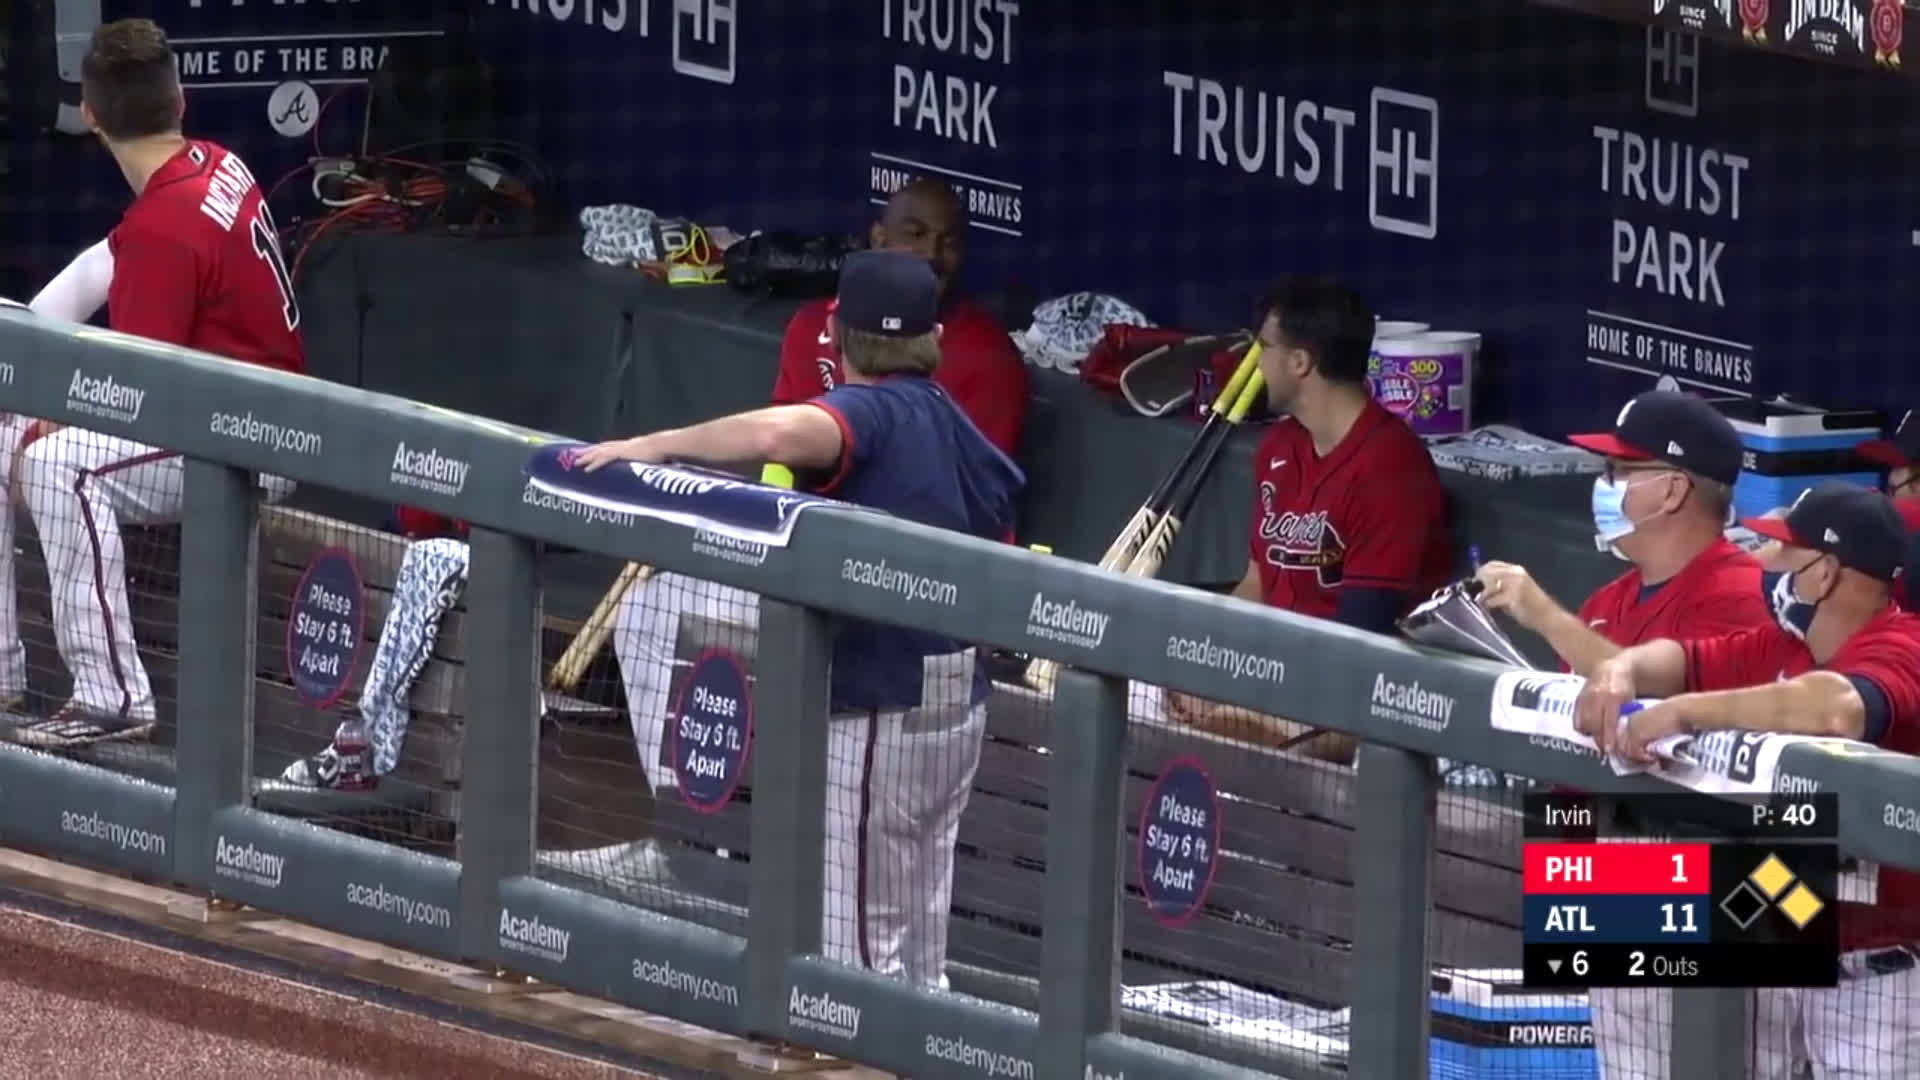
x,y
196,262
1371,514
1885,651
978,366
1717,593
1904,592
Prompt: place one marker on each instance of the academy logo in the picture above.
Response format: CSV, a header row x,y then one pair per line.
x,y
244,862
819,1012
99,395
428,470
1410,704
1066,622
532,937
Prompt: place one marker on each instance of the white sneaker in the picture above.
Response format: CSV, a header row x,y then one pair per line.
x,y
629,865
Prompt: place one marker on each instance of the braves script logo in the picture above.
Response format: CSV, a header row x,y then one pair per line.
x,y
1297,541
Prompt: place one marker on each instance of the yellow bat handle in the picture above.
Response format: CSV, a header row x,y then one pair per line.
x,y
1249,394
1248,368
775,475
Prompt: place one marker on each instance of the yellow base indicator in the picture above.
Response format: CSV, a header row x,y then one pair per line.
x,y
1772,877
1801,906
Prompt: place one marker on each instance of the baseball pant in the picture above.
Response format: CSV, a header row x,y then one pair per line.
x,y
1865,1028
79,486
897,781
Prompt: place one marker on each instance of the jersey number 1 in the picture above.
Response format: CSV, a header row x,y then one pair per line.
x,y
266,244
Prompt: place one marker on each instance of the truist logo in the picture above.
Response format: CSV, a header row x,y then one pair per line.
x,y
245,862
819,1012
531,936
99,395
1066,622
428,470
1411,704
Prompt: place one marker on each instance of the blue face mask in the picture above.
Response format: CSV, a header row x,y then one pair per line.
x,y
1610,521
1794,615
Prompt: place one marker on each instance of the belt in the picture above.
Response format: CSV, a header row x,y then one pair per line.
x,y
1889,961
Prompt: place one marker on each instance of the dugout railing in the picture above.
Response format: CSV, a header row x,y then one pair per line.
x,y
488,907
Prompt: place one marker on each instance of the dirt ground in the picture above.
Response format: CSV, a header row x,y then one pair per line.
x,y
80,1002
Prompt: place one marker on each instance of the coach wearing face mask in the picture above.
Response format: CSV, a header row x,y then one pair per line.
x,y
1838,660
1661,504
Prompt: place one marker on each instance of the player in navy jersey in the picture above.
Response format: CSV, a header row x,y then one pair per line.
x,y
195,261
908,706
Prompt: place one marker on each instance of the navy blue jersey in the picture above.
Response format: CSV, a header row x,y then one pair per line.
x,y
907,449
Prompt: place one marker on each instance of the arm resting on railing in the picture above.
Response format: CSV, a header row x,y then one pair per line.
x,y
797,436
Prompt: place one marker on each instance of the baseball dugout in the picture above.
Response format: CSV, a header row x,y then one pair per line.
x,y
1278,919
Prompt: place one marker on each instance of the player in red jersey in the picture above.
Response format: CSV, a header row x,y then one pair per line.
x,y
978,364
196,262
1838,660
1349,518
1899,454
1661,504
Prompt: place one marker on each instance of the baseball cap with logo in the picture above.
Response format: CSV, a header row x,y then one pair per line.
x,y
1901,449
1856,525
1675,427
888,292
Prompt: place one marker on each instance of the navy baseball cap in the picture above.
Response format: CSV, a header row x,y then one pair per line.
x,y
1902,448
1858,526
888,292
1675,427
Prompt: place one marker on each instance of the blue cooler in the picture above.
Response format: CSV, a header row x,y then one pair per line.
x,y
1487,1026
1792,447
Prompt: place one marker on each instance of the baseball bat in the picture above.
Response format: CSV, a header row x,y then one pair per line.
x,y
1041,672
1128,542
593,635
1153,552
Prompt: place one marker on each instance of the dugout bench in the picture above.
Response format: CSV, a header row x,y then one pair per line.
x,y
1279,916
588,783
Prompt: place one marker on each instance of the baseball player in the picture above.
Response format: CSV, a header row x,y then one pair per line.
x,y
978,364
908,706
979,368
1349,518
1837,659
195,261
1899,454
1662,504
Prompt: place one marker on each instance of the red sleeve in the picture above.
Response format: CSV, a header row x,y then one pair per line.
x,y
156,283
1885,659
800,351
1733,605
984,372
1390,524
1751,657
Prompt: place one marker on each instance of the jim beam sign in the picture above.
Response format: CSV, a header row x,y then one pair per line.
x,y
1696,14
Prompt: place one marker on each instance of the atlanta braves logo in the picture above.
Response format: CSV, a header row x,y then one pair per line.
x,y
1302,542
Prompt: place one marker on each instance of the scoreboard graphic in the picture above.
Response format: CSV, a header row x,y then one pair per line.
x,y
1681,890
